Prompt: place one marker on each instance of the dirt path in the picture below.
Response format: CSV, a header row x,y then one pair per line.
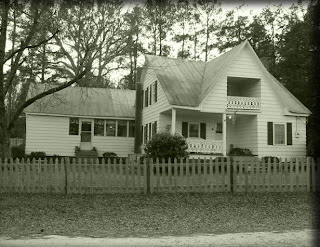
x,y
303,238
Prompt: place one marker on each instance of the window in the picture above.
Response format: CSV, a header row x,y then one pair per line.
x,y
219,128
110,127
99,127
122,128
74,126
279,134
194,130
131,128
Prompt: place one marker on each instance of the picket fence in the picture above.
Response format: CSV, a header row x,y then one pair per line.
x,y
222,174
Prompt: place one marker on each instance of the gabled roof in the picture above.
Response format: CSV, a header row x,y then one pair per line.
x,y
81,101
180,79
187,83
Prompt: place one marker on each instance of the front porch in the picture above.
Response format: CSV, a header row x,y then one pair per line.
x,y
210,134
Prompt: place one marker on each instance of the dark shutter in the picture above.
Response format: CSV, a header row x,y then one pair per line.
x,y
150,100
155,127
270,133
185,129
289,133
150,133
142,101
146,95
155,91
203,130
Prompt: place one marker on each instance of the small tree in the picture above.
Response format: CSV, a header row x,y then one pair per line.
x,y
166,145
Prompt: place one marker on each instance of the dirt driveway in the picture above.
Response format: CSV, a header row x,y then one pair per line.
x,y
303,238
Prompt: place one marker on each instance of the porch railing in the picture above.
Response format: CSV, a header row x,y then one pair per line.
x,y
245,103
205,146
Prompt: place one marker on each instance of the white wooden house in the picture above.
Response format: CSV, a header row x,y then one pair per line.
x,y
231,99
83,117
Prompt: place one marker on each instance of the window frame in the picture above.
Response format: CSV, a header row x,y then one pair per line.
x,y
79,124
189,124
127,128
285,134
219,130
94,127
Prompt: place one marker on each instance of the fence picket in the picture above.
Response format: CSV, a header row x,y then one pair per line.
x,y
297,174
211,176
190,175
152,167
169,173
181,177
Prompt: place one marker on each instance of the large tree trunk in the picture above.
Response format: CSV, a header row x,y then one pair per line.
x,y
4,139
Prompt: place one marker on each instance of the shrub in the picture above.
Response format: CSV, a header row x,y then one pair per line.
x,y
240,152
37,155
109,155
166,145
18,152
272,159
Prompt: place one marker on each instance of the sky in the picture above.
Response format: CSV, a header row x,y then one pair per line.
x,y
250,8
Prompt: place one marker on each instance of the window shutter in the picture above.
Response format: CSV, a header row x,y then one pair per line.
x,y
185,129
142,96
155,91
155,127
150,133
146,95
203,130
150,103
270,133
289,133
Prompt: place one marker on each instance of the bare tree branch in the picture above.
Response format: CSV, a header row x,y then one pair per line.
x,y
43,94
31,46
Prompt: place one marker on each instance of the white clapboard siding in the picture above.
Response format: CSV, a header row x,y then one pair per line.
x,y
271,111
122,146
50,134
151,113
253,134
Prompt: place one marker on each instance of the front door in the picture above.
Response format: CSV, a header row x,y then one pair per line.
x,y
86,135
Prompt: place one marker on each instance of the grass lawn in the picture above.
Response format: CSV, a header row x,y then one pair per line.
x,y
153,215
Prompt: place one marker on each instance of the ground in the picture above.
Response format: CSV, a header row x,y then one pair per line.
x,y
156,215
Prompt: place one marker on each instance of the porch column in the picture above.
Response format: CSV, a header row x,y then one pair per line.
x,y
173,121
224,134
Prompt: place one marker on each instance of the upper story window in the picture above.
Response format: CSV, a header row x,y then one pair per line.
x,y
150,94
74,126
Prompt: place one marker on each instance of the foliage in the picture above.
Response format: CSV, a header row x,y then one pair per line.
x,y
109,155
166,145
240,152
18,152
37,155
272,159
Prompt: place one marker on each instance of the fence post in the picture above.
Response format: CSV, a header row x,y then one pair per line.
x,y
66,175
230,164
